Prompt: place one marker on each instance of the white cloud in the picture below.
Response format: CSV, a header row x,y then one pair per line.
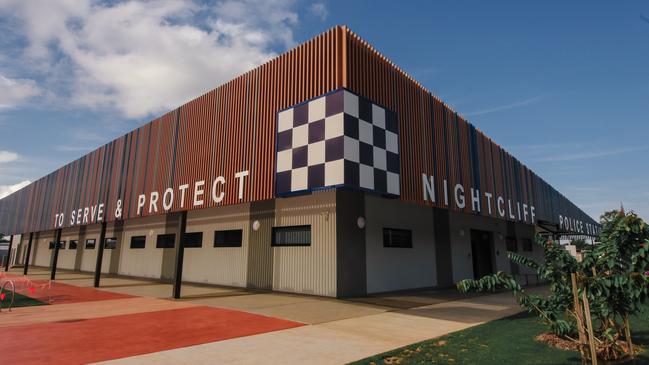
x,y
589,189
6,190
8,156
16,91
499,108
146,57
68,148
319,10
568,156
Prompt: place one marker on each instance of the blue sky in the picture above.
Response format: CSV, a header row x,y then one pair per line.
x,y
562,85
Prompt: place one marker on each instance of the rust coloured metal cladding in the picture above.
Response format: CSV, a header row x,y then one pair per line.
x,y
220,149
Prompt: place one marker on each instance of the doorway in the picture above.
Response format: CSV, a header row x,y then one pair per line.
x,y
512,246
482,253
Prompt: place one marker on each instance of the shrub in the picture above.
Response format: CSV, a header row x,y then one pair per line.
x,y
589,301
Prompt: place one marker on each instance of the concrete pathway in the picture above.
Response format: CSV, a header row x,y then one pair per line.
x,y
354,332
337,331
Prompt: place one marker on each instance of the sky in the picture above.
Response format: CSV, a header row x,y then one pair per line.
x,y
563,86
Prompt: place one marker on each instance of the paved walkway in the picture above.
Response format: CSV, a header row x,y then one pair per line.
x,y
344,340
337,331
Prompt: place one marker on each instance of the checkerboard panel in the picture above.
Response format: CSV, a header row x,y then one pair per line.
x,y
340,139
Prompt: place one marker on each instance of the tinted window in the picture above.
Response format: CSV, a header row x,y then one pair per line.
x,y
229,238
51,245
527,245
193,239
61,245
393,237
511,243
90,244
165,241
110,243
73,244
292,236
138,241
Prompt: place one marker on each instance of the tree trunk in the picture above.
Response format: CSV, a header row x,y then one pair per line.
x,y
627,334
589,326
580,319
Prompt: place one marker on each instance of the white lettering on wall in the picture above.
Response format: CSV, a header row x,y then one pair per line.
x,y
218,198
532,215
153,202
506,208
95,213
525,214
182,189
168,199
445,193
118,210
241,176
198,192
501,206
140,203
475,200
488,196
429,190
100,212
459,196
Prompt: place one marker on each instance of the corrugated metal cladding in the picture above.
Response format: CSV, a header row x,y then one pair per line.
x,y
435,140
231,129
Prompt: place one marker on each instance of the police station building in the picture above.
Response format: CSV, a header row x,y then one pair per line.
x,y
327,171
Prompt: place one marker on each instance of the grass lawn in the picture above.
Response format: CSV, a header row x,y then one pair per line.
x,y
505,341
20,301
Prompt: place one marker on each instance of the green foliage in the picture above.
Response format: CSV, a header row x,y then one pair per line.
x,y
580,244
614,274
499,280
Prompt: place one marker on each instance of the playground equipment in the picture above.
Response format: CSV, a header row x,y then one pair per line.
x,y
13,285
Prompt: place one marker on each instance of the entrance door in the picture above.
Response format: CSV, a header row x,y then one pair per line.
x,y
512,246
481,252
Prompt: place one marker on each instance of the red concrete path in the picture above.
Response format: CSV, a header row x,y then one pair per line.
x,y
99,339
60,293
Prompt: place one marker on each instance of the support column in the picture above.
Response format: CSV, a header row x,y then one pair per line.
x,y
443,255
100,253
351,267
29,252
11,242
55,259
180,253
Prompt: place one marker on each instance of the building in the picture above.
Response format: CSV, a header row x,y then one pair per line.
x,y
327,171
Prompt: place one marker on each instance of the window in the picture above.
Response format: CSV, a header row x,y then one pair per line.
x,y
401,238
193,239
527,245
512,245
292,236
110,243
229,238
90,244
61,245
166,241
73,244
138,241
51,245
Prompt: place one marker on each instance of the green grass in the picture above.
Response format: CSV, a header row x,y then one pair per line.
x,y
21,301
506,341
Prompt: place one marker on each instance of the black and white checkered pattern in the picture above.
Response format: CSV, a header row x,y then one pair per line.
x,y
339,139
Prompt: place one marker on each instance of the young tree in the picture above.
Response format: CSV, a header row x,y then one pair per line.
x,y
589,301
580,244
